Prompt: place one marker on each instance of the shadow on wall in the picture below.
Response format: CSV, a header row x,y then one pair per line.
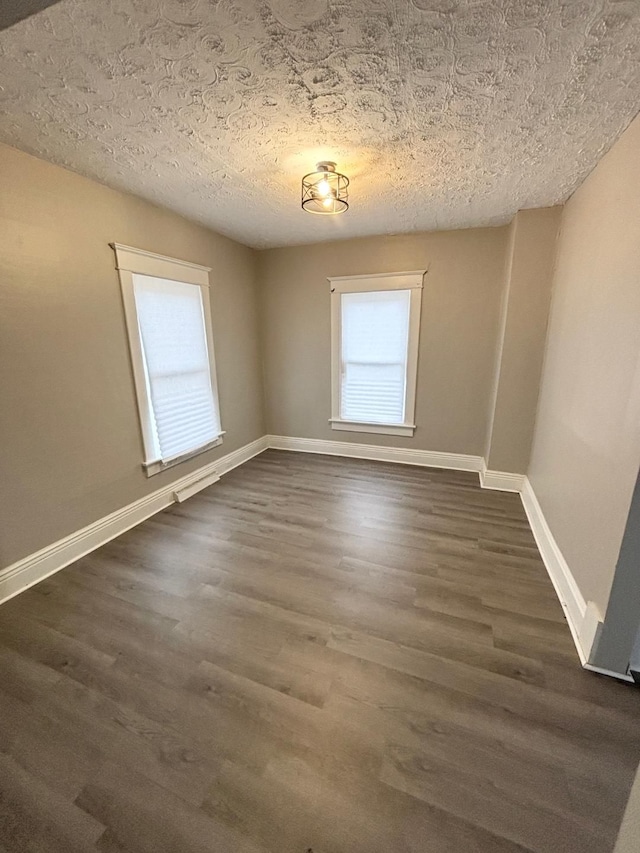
x,y
617,646
11,13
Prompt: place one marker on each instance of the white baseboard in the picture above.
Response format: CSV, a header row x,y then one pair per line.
x,y
621,676
241,455
584,618
501,481
405,456
36,567
589,628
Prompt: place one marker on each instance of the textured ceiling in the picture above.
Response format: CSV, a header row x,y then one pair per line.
x,y
444,113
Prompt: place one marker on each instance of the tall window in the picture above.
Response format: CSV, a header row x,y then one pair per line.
x,y
169,326
375,324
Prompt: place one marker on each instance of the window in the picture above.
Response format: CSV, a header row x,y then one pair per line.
x,y
375,326
169,326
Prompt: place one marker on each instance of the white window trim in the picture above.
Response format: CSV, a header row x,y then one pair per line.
x,y
129,261
413,281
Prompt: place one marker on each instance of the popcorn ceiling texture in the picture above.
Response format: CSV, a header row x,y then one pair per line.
x,y
444,114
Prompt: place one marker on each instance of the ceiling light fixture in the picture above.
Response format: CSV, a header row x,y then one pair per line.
x,y
325,190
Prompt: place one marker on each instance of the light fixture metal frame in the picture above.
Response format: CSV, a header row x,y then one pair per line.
x,y
314,201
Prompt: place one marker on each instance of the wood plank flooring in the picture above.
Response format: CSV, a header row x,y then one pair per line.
x,y
313,654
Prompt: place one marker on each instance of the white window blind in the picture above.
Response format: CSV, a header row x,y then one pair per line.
x,y
374,348
375,336
177,366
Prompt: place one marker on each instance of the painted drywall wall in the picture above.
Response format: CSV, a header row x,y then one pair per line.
x,y
70,445
586,448
615,643
460,317
525,310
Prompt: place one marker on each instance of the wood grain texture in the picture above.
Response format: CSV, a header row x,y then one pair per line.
x,y
342,655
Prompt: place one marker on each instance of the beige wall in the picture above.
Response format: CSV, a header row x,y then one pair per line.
x,y
460,318
586,449
70,446
527,294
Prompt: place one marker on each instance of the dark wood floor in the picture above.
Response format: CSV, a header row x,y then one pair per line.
x,y
321,653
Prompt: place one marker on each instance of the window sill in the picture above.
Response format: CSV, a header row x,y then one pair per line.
x,y
158,465
380,429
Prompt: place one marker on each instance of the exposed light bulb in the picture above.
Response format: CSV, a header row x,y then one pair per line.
x,y
325,190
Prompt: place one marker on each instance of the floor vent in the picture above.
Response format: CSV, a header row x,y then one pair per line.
x,y
192,488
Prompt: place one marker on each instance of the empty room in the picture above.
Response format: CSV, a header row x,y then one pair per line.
x,y
320,426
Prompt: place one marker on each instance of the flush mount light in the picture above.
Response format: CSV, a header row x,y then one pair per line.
x,y
325,190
